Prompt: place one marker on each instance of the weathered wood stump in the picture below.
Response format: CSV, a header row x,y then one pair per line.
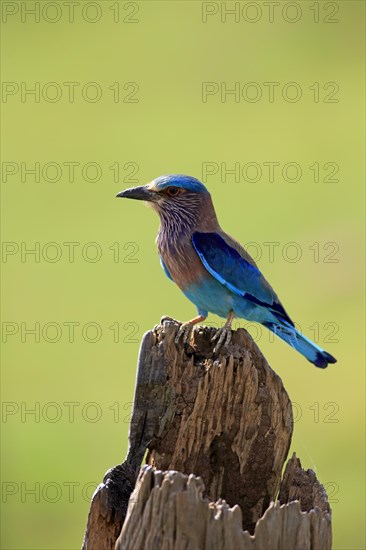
x,y
168,511
227,420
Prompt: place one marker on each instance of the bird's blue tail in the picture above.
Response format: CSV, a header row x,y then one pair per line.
x,y
303,345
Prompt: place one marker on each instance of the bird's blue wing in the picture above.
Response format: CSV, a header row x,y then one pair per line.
x,y
233,271
165,269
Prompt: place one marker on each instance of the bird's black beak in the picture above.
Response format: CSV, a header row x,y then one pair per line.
x,y
139,193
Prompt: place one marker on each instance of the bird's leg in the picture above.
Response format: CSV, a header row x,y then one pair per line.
x,y
185,328
224,333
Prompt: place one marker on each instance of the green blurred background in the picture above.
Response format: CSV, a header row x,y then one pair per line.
x,y
112,291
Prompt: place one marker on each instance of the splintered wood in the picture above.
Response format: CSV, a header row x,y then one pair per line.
x,y
217,428
225,418
167,511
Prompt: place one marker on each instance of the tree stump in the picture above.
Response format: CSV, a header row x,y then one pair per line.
x,y
217,429
168,511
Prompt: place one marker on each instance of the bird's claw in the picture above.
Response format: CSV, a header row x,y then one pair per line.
x,y
167,318
185,330
223,335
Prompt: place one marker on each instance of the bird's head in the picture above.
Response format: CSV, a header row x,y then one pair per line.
x,y
177,198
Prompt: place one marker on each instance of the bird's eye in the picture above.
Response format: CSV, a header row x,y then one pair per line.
x,y
173,191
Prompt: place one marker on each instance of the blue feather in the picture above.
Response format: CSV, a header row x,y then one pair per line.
x,y
303,345
179,180
234,272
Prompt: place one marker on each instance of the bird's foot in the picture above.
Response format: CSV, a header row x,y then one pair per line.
x,y
223,335
223,338
185,331
167,318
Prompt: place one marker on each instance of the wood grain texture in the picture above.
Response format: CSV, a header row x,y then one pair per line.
x,y
224,421
301,485
225,418
108,508
168,511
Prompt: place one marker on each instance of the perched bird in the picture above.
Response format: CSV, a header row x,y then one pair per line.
x,y
211,268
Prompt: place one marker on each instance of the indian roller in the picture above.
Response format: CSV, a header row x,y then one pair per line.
x,y
211,268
